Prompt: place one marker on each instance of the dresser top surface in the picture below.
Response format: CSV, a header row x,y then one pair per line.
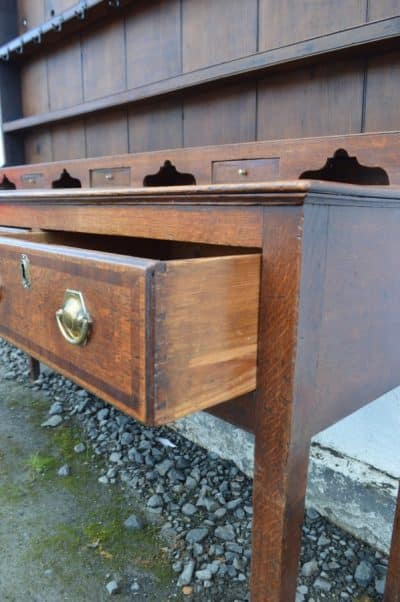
x,y
293,192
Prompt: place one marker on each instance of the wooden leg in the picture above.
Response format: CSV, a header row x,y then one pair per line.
x,y
392,591
279,493
34,365
282,437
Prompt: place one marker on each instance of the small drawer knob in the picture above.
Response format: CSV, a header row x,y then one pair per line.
x,y
242,171
109,176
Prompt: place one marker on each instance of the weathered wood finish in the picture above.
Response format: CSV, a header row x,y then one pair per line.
x,y
207,342
181,335
281,159
315,55
328,317
114,289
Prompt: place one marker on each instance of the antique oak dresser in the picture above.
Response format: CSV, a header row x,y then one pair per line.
x,y
209,208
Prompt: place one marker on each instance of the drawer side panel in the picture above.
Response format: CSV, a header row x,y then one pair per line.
x,y
206,333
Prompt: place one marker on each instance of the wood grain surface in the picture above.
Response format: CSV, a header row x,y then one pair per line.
x,y
294,156
114,289
205,333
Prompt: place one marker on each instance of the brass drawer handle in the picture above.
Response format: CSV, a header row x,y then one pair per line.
x,y
73,319
242,172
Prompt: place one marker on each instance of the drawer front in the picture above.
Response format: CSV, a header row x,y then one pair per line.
x,y
158,339
111,363
33,180
112,177
246,170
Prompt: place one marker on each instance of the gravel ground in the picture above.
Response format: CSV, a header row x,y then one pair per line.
x,y
203,504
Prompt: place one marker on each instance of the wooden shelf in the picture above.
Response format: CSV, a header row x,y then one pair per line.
x,y
382,34
53,31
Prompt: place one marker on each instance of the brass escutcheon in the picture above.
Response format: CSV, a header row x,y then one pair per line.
x,y
73,318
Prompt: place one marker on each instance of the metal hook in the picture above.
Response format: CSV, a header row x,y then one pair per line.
x,y
114,3
6,55
80,12
57,25
38,38
20,49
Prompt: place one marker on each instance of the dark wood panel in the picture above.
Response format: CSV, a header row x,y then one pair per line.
x,y
155,126
360,312
38,146
153,42
319,101
215,32
34,87
69,142
107,135
104,61
286,22
220,116
381,9
382,93
65,76
30,14
361,39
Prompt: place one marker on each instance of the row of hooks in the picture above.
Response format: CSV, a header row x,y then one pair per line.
x,y
35,36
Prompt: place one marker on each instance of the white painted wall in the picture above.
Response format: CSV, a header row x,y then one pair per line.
x,y
371,435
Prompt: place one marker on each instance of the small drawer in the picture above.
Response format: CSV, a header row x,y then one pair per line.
x,y
246,170
110,177
158,338
32,180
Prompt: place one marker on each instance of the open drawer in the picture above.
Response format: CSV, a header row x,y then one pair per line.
x,y
157,337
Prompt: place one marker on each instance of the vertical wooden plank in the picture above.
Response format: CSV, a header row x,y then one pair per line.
x,y
38,147
382,9
220,116
155,126
286,22
214,32
69,141
382,93
10,85
317,101
65,76
35,98
30,14
107,134
153,42
104,61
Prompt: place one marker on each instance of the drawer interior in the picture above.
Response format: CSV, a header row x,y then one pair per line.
x,y
162,250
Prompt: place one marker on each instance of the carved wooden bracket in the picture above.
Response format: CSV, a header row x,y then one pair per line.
x,y
169,176
343,168
66,181
6,184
